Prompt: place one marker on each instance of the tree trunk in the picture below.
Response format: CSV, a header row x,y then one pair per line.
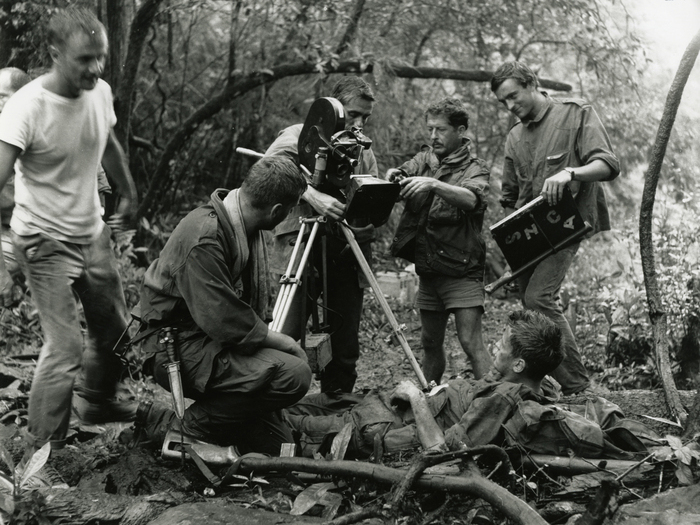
x,y
123,100
117,24
351,29
513,507
657,315
238,86
8,35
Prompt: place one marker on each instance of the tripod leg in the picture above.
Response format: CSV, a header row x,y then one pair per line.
x,y
288,299
290,266
364,265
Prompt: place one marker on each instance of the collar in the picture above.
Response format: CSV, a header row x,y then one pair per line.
x,y
456,157
545,108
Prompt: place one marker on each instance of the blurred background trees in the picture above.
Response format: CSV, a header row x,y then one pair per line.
x,y
194,79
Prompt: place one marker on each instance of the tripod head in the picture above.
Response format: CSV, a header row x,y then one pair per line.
x,y
332,153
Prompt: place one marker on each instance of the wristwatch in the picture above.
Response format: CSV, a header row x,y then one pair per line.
x,y
573,173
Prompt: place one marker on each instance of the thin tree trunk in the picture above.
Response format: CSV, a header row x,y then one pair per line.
x,y
657,314
123,99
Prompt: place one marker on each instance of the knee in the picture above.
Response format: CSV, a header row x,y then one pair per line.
x,y
432,343
538,300
300,381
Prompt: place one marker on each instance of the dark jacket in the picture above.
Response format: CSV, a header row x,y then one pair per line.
x,y
438,237
191,286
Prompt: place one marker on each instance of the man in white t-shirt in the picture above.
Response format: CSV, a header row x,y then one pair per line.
x,y
59,128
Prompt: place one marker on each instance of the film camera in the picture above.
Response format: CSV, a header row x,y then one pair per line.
x,y
332,154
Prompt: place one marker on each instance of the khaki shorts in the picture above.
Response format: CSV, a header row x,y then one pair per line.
x,y
439,293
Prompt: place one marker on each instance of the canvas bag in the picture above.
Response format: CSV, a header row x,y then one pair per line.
x,y
550,429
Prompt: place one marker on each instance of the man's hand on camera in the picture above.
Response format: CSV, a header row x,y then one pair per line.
x,y
414,185
395,175
324,204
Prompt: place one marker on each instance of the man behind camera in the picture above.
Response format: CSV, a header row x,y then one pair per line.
x,y
345,280
440,231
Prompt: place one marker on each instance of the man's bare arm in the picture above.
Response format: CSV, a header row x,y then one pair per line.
x,y
8,156
429,433
114,163
596,170
325,205
462,198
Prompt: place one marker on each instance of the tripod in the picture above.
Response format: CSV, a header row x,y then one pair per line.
x,y
292,280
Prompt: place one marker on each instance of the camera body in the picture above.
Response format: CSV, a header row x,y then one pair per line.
x,y
332,154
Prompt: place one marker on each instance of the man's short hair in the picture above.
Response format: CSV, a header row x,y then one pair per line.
x,y
348,88
274,180
537,340
73,20
517,70
18,78
453,110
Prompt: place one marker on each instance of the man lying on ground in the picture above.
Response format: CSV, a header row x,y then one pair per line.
x,y
519,409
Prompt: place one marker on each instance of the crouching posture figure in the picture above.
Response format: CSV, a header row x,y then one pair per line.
x,y
210,285
519,409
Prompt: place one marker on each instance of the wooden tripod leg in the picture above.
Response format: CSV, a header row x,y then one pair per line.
x,y
364,265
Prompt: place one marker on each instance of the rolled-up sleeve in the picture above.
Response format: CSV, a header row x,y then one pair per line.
x,y
593,142
481,423
477,180
206,285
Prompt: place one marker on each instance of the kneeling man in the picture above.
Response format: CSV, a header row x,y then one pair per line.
x,y
210,285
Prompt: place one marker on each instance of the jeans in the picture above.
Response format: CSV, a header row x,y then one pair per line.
x,y
58,273
539,290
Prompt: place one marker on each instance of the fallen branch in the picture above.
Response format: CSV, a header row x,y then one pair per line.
x,y
573,466
512,507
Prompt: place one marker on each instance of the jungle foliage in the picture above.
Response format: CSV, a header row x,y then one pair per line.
x,y
195,79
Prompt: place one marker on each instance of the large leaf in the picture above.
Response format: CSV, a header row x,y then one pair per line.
x,y
332,502
34,465
6,484
340,443
310,497
7,504
7,458
674,442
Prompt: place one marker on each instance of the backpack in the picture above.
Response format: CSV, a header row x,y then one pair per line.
x,y
551,429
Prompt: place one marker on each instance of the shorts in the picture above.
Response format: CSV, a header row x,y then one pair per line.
x,y
440,293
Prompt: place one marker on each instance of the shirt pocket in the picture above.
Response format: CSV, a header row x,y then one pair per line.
x,y
555,163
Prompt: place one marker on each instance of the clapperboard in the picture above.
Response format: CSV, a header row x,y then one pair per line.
x,y
534,232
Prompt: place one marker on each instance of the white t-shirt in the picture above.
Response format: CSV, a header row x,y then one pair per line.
x,y
62,142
